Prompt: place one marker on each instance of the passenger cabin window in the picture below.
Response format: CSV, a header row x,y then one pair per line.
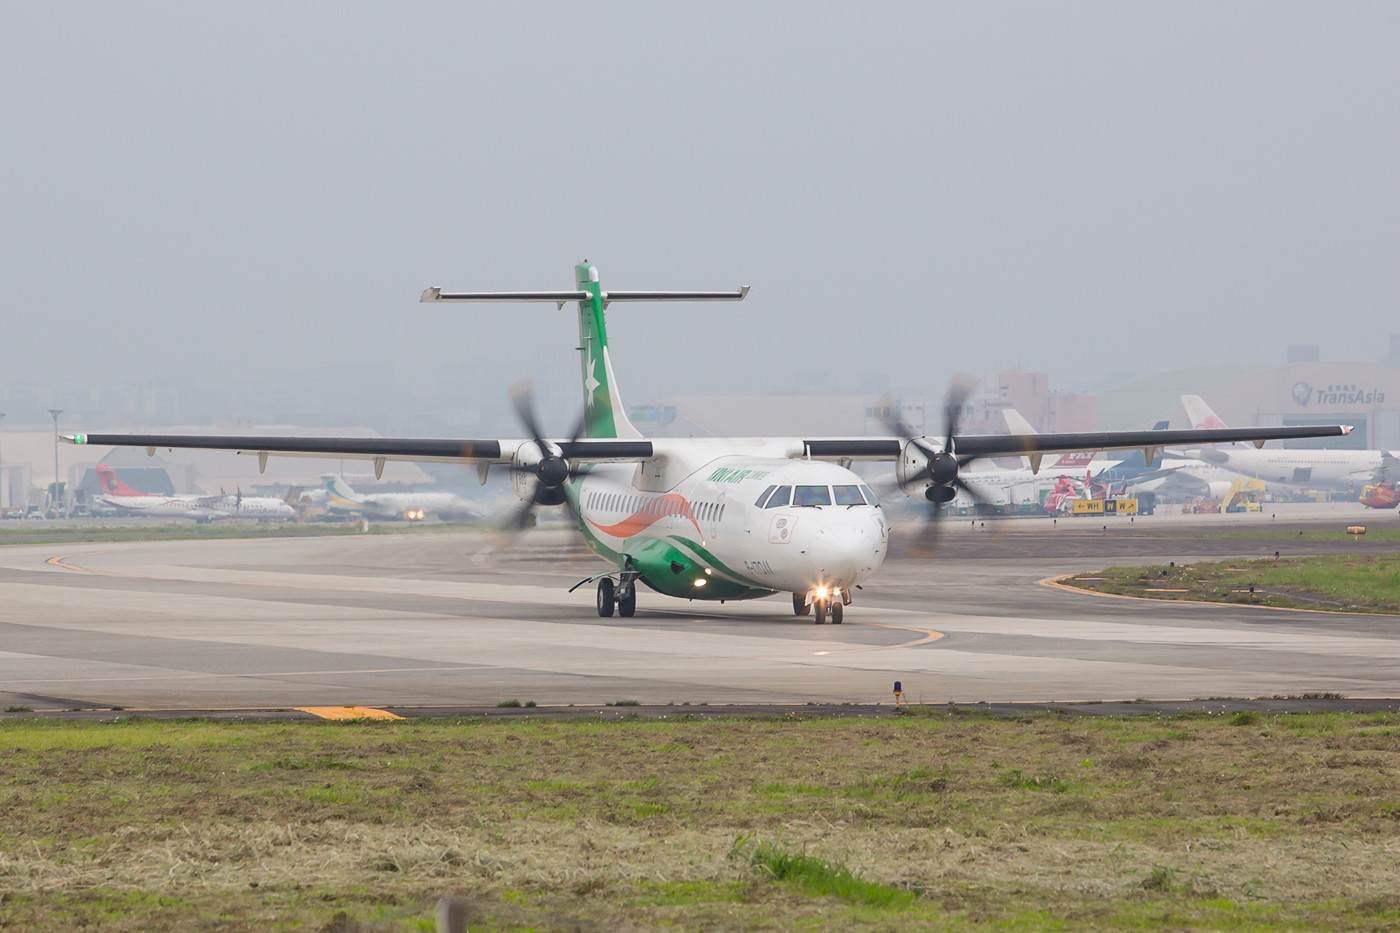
x,y
847,495
763,496
811,495
781,496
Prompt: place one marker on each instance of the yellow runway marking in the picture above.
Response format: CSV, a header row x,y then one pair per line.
x,y
1054,583
348,712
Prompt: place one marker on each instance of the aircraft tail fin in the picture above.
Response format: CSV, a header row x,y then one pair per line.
x,y
112,484
340,492
1199,413
603,413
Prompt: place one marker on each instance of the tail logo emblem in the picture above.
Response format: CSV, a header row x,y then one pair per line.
x,y
1302,393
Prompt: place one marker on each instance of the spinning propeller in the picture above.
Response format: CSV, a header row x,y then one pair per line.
x,y
939,472
550,471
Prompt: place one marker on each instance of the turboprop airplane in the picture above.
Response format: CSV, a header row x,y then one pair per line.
x,y
409,506
703,518
1288,467
121,497
116,494
263,508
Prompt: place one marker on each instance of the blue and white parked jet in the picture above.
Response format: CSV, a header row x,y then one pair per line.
x,y
704,518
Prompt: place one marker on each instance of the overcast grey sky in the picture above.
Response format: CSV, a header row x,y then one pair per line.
x,y
243,190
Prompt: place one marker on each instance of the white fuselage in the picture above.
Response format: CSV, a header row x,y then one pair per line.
x,y
393,505
704,535
159,507
263,508
1292,467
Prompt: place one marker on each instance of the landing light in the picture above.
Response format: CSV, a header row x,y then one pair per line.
x,y
702,581
821,592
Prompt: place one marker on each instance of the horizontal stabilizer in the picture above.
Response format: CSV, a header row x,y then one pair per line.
x,y
560,298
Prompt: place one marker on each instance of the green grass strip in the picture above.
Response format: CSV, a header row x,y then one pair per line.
x,y
816,876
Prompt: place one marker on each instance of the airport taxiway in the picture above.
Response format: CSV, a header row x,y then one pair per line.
x,y
438,620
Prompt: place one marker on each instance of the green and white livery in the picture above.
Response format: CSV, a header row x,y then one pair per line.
x,y
704,518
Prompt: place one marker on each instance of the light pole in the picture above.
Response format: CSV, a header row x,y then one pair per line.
x,y
58,499
4,486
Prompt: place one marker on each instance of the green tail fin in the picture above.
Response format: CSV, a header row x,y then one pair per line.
x,y
603,412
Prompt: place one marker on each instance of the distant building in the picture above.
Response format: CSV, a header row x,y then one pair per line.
x,y
1030,395
1363,395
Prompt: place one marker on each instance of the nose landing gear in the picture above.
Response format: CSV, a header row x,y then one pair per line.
x,y
819,607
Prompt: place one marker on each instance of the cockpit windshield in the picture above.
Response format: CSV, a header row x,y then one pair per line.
x,y
780,497
811,495
848,495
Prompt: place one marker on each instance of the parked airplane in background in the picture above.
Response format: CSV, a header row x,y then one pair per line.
x,y
118,495
121,497
1290,467
704,518
409,506
1025,486
263,508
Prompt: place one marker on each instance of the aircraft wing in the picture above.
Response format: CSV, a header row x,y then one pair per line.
x,y
967,446
598,450
378,449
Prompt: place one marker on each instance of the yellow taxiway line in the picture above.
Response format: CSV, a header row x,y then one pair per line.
x,y
348,712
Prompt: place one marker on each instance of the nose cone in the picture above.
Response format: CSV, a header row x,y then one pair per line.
x,y
847,552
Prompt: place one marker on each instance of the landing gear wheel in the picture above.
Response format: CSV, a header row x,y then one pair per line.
x,y
605,597
627,605
819,611
836,612
800,606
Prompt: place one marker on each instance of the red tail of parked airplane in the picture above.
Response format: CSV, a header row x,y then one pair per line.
x,y
112,484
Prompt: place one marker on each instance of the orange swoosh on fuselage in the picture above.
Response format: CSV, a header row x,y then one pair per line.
x,y
640,521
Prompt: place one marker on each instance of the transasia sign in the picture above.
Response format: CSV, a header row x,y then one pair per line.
x,y
1305,394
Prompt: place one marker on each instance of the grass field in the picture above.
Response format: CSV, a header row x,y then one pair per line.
x,y
1360,583
934,820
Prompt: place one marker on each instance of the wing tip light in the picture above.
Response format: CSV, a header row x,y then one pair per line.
x,y
1346,429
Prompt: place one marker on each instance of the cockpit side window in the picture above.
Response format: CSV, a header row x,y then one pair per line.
x,y
870,495
763,496
811,495
848,495
779,498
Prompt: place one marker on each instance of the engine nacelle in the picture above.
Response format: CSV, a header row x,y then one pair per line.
x,y
911,469
1219,488
532,467
923,464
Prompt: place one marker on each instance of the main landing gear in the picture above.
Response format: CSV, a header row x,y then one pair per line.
x,y
821,606
622,594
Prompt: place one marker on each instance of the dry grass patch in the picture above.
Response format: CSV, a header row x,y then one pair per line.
x,y
1145,821
1351,583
